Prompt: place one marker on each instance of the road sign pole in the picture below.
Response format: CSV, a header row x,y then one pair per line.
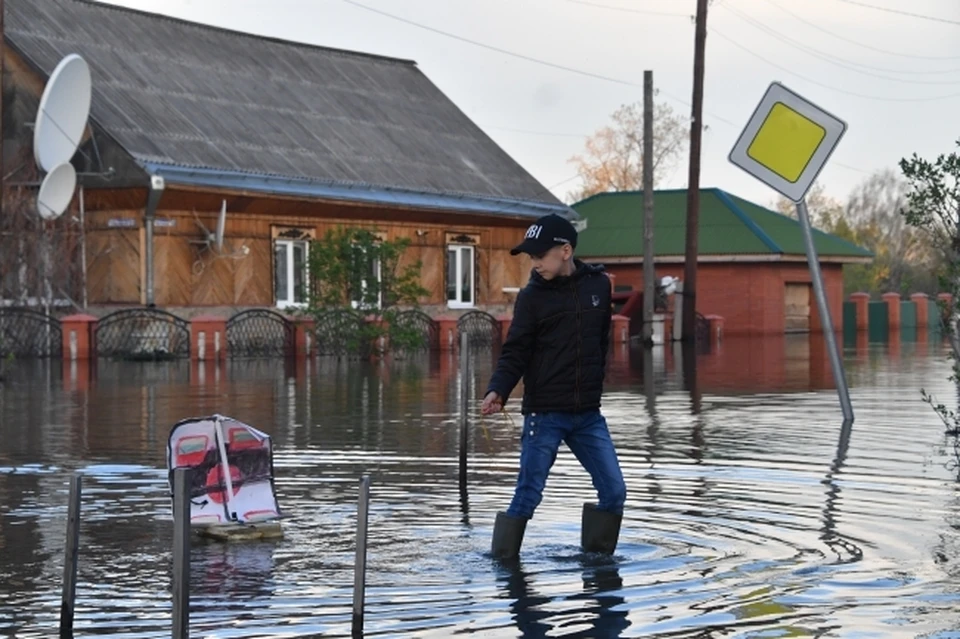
x,y
786,143
826,321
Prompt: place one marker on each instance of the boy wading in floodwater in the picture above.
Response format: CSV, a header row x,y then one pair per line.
x,y
558,343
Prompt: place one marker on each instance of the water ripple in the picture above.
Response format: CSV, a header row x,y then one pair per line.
x,y
749,514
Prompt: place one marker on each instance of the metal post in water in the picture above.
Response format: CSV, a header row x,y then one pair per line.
x,y
71,552
464,404
360,564
826,321
181,553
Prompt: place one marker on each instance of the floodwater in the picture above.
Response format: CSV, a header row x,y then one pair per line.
x,y
751,511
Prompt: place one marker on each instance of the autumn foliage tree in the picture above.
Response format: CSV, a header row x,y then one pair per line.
x,y
872,218
612,159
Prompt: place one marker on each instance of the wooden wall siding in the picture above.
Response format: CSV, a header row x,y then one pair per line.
x,y
113,267
432,273
185,275
253,283
173,259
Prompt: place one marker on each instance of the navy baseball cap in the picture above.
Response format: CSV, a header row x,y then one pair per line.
x,y
547,232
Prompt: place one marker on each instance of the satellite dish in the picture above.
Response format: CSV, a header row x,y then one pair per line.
x,y
221,226
62,116
56,191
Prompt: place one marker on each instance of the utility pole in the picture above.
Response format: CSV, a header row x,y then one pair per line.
x,y
3,49
648,272
693,183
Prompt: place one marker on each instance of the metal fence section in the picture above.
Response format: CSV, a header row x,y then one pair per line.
x,y
341,332
143,334
417,332
29,334
260,333
483,329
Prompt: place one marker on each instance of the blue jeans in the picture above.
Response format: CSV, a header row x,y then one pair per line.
x,y
587,437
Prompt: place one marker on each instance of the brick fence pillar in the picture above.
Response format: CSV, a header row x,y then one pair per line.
x,y
208,338
893,310
504,321
861,301
304,336
79,337
447,333
921,301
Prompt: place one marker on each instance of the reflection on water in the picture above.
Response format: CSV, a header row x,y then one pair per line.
x,y
752,511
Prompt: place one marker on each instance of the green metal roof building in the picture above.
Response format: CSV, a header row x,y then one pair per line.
x,y
729,226
752,264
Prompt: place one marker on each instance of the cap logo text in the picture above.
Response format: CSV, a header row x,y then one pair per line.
x,y
533,232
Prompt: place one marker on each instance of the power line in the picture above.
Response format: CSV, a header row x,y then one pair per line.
x,y
827,86
554,134
867,46
553,65
900,12
826,57
626,10
578,72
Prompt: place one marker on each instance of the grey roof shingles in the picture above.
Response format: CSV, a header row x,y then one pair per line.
x,y
180,94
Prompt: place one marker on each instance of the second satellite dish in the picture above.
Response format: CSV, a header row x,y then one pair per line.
x,y
63,112
56,191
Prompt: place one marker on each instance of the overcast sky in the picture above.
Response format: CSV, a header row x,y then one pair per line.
x,y
894,78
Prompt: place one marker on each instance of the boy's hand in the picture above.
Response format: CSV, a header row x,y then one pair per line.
x,y
492,403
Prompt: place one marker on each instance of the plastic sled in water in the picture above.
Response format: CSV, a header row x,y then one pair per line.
x,y
232,493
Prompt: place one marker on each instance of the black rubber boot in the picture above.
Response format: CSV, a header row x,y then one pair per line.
x,y
507,536
600,530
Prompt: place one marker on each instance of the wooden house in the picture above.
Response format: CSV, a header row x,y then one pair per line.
x,y
752,268
293,138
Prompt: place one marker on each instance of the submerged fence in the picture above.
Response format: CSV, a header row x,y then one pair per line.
x,y
149,334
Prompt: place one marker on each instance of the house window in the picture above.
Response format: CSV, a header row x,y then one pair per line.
x,y
369,270
460,276
290,271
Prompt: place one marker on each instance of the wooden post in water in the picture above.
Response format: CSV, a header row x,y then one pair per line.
x,y
71,551
181,553
360,564
649,283
464,405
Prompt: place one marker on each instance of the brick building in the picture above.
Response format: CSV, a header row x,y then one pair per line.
x,y
752,266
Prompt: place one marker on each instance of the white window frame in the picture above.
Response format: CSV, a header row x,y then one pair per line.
x,y
458,266
289,302
363,288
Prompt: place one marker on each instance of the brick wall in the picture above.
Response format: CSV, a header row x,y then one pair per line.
x,y
750,296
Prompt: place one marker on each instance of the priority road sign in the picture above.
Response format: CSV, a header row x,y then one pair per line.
x,y
787,141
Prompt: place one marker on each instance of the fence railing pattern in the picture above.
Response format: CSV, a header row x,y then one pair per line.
x,y
29,334
143,334
340,332
483,329
420,332
260,333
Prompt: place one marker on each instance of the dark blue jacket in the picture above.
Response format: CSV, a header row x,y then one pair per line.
x,y
558,342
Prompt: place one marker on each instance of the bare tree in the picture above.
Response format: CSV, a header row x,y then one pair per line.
x,y
40,265
612,159
874,210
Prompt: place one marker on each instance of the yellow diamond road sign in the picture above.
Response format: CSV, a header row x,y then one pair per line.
x,y
787,142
